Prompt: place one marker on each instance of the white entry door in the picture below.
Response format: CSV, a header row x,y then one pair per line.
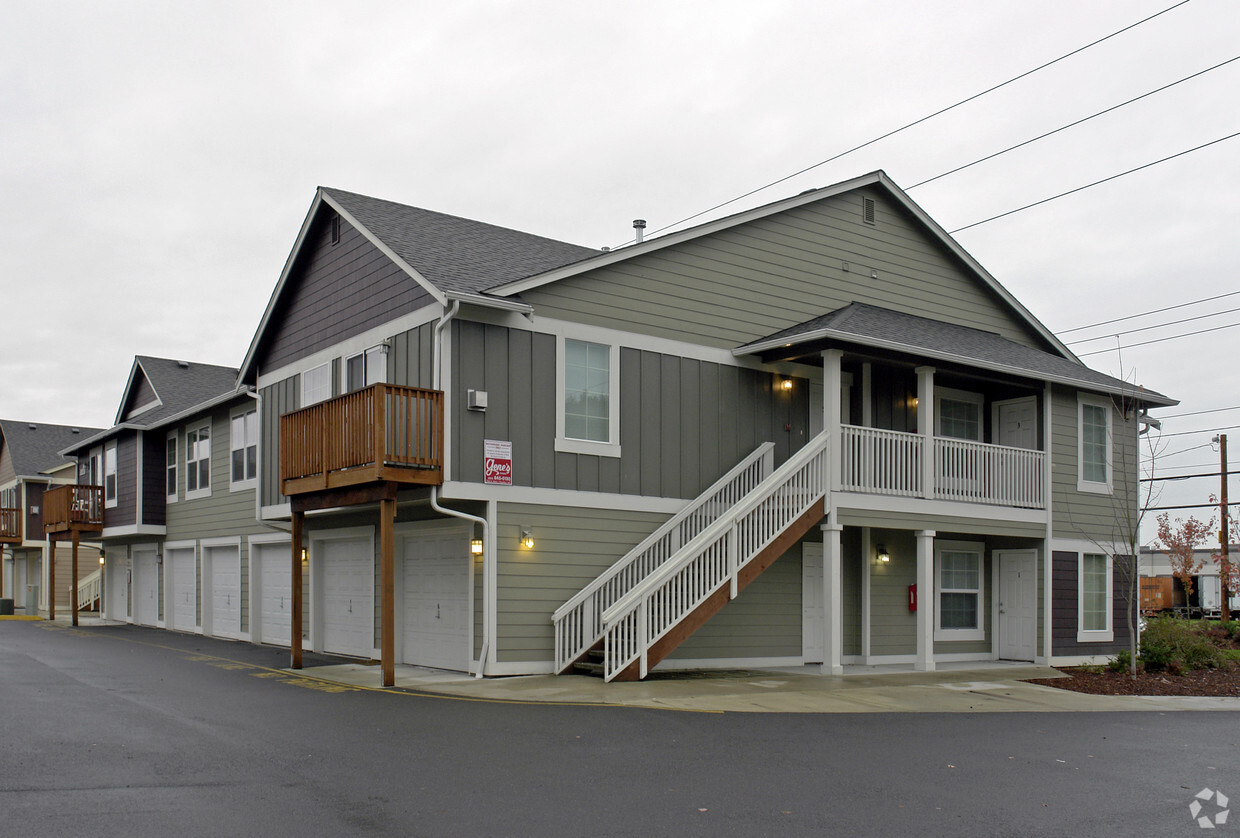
x,y
225,564
1018,604
813,611
1016,421
276,592
436,597
347,568
117,599
182,567
146,586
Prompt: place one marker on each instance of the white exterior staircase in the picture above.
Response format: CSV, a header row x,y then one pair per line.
x,y
89,591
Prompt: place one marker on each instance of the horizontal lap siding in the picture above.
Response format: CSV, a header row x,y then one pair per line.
x,y
683,422
851,570
125,512
572,546
744,283
893,628
1065,600
335,292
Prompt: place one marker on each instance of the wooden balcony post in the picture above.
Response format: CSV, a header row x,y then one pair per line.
x,y
299,519
51,580
378,414
387,573
73,591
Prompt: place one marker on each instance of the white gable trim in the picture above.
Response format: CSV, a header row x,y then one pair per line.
x,y
120,409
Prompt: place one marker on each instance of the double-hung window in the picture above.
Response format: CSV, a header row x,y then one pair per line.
x,y
109,475
960,579
171,460
1094,449
365,368
958,414
243,446
1094,599
198,461
316,385
588,384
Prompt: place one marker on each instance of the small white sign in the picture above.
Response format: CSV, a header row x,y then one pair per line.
x,y
497,461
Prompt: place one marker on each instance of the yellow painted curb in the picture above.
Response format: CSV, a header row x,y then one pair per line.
x,y
19,617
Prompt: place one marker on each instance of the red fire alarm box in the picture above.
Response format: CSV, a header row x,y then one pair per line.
x,y
912,597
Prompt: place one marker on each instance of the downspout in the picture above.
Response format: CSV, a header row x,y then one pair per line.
x,y
436,361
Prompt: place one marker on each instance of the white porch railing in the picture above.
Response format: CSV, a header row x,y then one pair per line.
x,y
712,559
875,461
89,590
578,622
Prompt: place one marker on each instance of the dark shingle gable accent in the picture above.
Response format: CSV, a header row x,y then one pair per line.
x,y
34,447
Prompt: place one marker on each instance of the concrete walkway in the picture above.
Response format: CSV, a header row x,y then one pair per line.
x,y
967,688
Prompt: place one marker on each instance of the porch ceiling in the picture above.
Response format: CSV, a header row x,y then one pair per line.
x,y
884,329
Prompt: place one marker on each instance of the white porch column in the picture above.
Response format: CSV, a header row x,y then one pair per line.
x,y
833,601
925,601
925,427
832,383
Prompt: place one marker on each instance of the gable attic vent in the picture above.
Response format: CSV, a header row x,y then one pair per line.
x,y
183,364
335,229
867,210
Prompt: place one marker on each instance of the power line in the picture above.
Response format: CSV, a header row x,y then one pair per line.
x,y
1095,183
1074,124
916,122
1147,313
1159,340
1155,326
1199,412
1202,431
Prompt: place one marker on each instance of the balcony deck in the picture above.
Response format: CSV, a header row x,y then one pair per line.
x,y
10,525
73,508
383,433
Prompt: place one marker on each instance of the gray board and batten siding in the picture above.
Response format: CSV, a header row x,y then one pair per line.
x,y
683,422
333,292
728,288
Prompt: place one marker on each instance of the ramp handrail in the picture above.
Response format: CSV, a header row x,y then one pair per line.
x,y
88,589
714,557
578,622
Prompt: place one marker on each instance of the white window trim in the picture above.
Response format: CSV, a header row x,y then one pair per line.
x,y
1083,485
1107,635
200,493
302,383
110,503
380,349
611,448
250,482
941,393
978,633
175,439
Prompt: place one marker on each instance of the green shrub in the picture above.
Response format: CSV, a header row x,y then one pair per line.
x,y
1121,662
1168,643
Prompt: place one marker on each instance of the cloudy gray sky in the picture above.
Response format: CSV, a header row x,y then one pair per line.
x,y
157,159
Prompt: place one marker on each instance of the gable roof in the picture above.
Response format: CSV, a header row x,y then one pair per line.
x,y
180,388
447,255
35,447
881,328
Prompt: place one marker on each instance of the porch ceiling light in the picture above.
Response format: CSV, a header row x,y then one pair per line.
x,y
475,546
527,540
883,555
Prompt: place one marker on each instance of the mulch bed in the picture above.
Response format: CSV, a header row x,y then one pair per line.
x,y
1206,682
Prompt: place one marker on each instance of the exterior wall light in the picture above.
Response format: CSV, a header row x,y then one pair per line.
x,y
475,546
883,555
101,559
527,540
785,384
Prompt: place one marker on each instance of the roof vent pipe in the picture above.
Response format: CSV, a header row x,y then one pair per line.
x,y
639,224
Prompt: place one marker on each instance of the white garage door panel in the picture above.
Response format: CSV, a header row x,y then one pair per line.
x,y
225,591
146,588
277,596
183,609
117,600
348,596
436,601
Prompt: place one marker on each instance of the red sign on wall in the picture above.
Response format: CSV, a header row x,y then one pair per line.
x,y
497,461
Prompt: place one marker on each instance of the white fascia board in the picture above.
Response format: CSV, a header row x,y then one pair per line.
x,y
469,298
163,423
120,408
457,490
133,529
880,343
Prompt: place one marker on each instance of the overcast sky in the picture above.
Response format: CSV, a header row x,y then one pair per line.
x,y
157,159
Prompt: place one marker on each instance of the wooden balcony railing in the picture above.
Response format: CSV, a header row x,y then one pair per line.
x,y
10,525
381,433
73,507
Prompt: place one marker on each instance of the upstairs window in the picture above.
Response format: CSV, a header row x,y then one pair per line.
x,y
1094,449
198,462
171,457
365,368
316,385
588,382
109,475
243,442
959,414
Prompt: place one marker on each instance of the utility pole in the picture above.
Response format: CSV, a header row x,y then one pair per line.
x,y
1224,565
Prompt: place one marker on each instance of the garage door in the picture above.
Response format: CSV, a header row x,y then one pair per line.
x,y
348,574
145,586
436,599
225,565
183,596
275,595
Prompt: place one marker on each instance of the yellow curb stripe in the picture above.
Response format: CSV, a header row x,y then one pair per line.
x,y
30,618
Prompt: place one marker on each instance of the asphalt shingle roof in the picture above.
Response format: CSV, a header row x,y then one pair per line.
x,y
457,254
35,447
874,325
180,386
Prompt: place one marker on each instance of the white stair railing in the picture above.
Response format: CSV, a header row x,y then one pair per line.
x,y
712,559
88,590
578,622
